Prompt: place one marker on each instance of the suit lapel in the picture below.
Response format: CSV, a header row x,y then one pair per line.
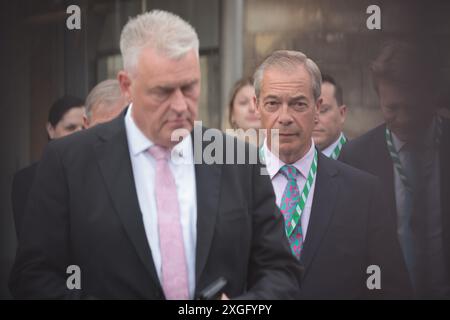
x,y
322,210
383,166
445,186
115,165
208,180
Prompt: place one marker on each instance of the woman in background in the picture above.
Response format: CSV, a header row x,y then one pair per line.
x,y
242,111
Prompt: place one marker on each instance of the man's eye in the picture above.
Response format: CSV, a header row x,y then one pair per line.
x,y
187,89
392,108
159,93
299,105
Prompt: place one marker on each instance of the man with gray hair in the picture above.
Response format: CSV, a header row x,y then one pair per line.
x,y
117,202
104,103
338,228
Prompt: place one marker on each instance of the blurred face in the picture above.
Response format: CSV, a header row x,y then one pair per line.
x,y
72,121
164,93
331,118
406,111
244,114
286,103
101,113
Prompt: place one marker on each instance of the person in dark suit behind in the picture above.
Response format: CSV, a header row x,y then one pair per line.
x,y
327,134
65,117
104,103
336,224
410,154
125,202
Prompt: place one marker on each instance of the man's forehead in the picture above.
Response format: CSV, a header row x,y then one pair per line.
x,y
296,74
328,91
292,81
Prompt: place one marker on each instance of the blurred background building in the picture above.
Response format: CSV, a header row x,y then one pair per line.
x,y
41,60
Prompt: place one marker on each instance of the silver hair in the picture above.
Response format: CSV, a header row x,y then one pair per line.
x,y
288,59
164,31
106,92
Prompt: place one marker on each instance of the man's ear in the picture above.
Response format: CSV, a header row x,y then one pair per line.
x,y
257,109
50,131
343,112
318,105
125,84
85,122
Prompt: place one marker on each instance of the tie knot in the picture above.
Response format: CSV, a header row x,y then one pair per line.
x,y
290,172
159,153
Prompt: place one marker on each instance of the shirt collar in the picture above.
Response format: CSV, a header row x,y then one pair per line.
x,y
138,142
428,137
329,150
274,164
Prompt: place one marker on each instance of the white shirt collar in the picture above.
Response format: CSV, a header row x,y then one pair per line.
x,y
329,150
274,164
139,143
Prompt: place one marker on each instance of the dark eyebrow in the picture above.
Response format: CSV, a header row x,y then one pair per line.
x,y
171,88
298,98
70,126
162,88
189,83
271,97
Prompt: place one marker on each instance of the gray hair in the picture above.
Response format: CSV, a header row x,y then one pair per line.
x,y
164,31
106,92
288,59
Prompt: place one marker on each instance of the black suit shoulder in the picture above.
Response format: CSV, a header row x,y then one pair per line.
x,y
86,138
20,189
350,175
363,146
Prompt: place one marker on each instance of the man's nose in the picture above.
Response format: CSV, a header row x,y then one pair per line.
x,y
178,101
252,107
284,117
404,117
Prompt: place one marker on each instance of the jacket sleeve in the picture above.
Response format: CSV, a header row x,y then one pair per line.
x,y
273,271
43,253
384,249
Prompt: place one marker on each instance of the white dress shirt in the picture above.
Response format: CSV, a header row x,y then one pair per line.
x,y
182,166
279,182
434,255
329,150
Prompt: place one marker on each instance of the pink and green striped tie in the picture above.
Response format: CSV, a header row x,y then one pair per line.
x,y
289,201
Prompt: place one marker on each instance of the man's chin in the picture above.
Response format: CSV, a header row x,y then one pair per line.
x,y
403,135
177,133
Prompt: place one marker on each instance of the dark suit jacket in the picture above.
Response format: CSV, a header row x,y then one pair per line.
x,y
83,210
349,230
369,153
20,189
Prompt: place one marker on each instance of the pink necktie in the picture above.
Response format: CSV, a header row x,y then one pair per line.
x,y
171,244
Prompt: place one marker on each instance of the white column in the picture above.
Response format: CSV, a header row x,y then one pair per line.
x,y
231,50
